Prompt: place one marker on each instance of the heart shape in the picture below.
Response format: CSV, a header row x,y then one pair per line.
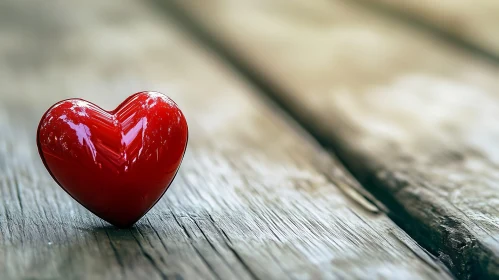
x,y
119,163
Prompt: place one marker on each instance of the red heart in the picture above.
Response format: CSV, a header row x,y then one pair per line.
x,y
119,163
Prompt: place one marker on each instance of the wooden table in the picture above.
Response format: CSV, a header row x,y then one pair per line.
x,y
285,100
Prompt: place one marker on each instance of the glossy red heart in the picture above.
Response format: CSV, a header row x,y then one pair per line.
x,y
119,163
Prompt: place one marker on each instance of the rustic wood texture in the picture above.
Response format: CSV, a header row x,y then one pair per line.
x,y
413,117
475,22
255,197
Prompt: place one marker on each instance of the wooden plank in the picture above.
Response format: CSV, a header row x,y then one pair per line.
x,y
413,117
474,22
255,197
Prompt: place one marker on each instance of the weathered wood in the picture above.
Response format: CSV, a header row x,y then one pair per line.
x,y
255,197
475,22
413,118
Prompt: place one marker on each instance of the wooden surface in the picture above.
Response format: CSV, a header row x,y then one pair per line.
x,y
476,22
255,197
413,117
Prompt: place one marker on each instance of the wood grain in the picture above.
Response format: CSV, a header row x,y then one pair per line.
x,y
255,198
475,22
413,117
